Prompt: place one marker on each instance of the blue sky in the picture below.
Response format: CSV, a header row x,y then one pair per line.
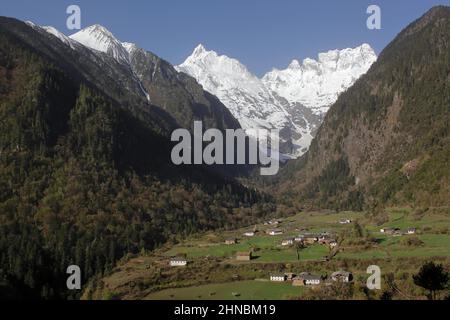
x,y
262,34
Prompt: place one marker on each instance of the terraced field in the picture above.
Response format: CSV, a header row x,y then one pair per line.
x,y
244,290
214,273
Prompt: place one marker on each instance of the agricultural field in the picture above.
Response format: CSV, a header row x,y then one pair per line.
x,y
266,248
214,273
243,290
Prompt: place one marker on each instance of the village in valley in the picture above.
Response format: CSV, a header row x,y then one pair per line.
x,y
285,258
305,278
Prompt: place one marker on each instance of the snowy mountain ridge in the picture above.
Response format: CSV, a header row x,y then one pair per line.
x,y
242,92
293,100
99,38
316,84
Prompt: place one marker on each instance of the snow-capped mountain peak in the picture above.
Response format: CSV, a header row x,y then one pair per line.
x,y
295,64
99,38
316,84
219,73
199,50
293,100
244,94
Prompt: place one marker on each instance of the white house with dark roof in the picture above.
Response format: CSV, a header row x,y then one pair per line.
x,y
274,232
178,262
278,278
312,280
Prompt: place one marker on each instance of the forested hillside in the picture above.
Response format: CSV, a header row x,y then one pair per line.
x,y
387,139
85,180
85,169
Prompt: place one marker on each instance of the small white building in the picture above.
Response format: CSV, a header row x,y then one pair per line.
x,y
278,278
345,221
249,234
312,280
333,244
178,262
411,231
287,242
275,232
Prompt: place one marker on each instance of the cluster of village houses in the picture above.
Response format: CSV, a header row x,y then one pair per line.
x,y
323,238
304,278
306,239
308,279
396,232
301,279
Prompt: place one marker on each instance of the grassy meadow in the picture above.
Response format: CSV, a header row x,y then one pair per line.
x,y
214,273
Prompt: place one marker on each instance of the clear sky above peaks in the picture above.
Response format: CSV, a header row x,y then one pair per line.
x,y
262,34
